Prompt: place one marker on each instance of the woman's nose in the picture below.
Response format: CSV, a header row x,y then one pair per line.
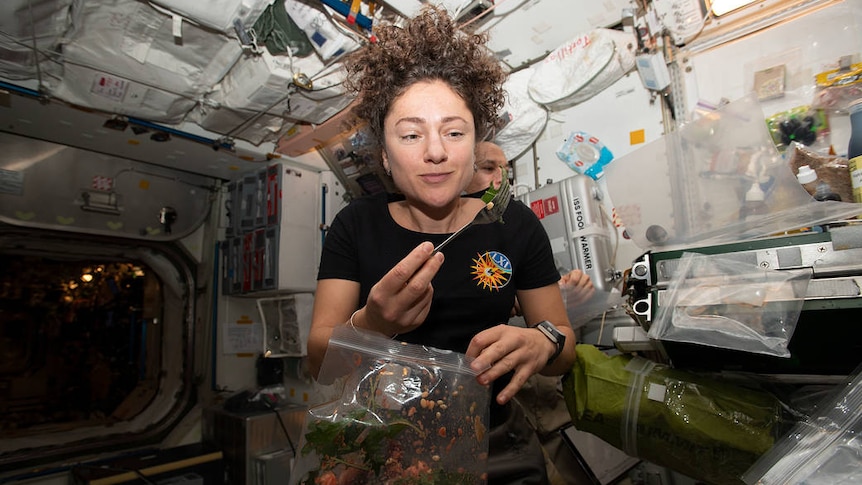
x,y
435,149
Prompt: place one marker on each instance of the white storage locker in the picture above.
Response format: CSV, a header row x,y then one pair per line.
x,y
278,231
292,242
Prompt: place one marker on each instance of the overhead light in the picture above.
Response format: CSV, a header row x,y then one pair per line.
x,y
721,7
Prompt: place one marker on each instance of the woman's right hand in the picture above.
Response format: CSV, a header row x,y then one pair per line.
x,y
400,301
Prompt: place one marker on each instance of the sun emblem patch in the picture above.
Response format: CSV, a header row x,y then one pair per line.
x,y
492,270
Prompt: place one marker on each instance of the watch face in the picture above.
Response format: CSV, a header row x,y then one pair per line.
x,y
549,332
554,335
550,328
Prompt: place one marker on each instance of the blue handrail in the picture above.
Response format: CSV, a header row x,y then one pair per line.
x,y
344,9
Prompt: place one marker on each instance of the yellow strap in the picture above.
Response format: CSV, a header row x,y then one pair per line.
x,y
354,9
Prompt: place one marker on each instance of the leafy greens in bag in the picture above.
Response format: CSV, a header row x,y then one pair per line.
x,y
406,415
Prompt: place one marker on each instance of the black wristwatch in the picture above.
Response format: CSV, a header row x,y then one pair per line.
x,y
555,336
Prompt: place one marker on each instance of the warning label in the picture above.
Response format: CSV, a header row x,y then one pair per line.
x,y
545,207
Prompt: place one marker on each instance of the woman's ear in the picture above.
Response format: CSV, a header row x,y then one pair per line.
x,y
385,158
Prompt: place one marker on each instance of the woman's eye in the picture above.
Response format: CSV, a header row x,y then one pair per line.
x,y
410,137
455,134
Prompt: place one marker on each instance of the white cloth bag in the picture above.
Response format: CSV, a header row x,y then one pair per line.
x,y
582,67
217,14
525,118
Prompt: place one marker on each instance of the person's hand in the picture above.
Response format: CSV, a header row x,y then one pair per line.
x,y
577,287
504,348
400,301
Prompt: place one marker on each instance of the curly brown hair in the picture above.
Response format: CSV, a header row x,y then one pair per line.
x,y
429,47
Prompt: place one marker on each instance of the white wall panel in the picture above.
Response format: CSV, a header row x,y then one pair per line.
x,y
613,116
806,45
616,116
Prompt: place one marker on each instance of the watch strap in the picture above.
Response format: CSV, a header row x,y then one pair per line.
x,y
550,331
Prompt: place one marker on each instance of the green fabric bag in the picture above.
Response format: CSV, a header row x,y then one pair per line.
x,y
277,31
703,428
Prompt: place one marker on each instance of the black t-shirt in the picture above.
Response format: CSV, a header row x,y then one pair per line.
x,y
475,287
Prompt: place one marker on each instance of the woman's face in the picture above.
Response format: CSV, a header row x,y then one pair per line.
x,y
429,143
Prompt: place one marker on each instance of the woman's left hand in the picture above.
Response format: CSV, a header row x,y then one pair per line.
x,y
506,348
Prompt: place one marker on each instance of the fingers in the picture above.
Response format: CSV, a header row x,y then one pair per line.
x,y
576,278
577,287
577,296
400,301
503,349
515,385
415,271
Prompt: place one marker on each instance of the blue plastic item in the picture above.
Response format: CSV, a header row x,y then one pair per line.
x,y
585,154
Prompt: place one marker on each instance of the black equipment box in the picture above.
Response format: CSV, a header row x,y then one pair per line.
x,y
828,335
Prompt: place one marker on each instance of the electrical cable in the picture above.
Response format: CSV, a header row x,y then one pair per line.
x,y
484,13
601,327
272,408
258,114
613,229
223,142
35,48
292,89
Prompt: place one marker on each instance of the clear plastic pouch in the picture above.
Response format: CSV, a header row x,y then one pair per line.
x,y
689,187
719,301
823,449
407,414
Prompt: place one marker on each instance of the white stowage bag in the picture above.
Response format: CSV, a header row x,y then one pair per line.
x,y
328,41
582,67
245,125
217,14
262,83
23,22
525,118
121,56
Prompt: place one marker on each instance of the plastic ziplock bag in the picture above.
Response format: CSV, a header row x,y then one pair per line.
x,y
407,414
719,301
832,171
708,429
823,449
689,186
583,308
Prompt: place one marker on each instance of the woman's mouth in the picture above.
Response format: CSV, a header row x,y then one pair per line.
x,y
435,178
